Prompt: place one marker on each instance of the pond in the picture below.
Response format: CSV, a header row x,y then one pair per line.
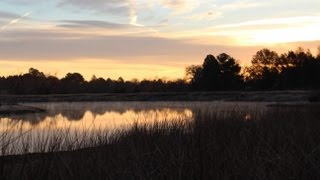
x,y
115,115
76,119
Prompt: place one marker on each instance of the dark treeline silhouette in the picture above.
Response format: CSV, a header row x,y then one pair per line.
x,y
36,82
292,70
268,71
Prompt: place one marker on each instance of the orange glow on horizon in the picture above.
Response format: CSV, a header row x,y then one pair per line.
x,y
99,68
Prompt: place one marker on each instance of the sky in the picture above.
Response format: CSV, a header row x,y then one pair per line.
x,y
147,38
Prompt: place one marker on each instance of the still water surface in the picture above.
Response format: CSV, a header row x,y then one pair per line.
x,y
68,123
115,115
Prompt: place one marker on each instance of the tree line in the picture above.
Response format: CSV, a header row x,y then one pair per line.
x,y
36,82
298,69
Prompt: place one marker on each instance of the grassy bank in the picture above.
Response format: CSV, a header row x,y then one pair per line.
x,y
280,143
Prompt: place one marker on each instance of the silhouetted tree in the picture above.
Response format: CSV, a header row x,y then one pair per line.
x,y
76,78
230,78
264,70
293,70
97,85
221,73
302,70
209,77
36,73
193,75
73,83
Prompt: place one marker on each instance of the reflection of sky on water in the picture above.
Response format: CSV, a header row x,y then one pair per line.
x,y
95,115
78,121
116,115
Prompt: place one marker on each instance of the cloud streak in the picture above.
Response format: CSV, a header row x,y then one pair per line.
x,y
53,45
92,24
112,6
14,21
133,17
300,20
180,6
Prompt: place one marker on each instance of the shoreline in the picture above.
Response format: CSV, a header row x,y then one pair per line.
x,y
241,96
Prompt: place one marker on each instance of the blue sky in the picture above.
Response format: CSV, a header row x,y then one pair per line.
x,y
147,38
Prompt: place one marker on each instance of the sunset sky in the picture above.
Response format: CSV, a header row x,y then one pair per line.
x,y
147,38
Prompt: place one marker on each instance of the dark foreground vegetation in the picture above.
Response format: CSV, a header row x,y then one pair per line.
x,y
268,71
280,143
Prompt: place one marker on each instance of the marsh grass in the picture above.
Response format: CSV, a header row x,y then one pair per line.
x,y
279,143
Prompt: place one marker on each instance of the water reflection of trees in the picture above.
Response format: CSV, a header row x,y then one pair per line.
x,y
76,111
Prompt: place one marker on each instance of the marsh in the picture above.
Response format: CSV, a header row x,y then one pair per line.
x,y
76,119
161,140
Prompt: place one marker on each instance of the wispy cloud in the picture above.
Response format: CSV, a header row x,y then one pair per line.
x,y
270,31
96,27
299,21
55,45
14,21
92,24
133,17
107,7
180,6
115,7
